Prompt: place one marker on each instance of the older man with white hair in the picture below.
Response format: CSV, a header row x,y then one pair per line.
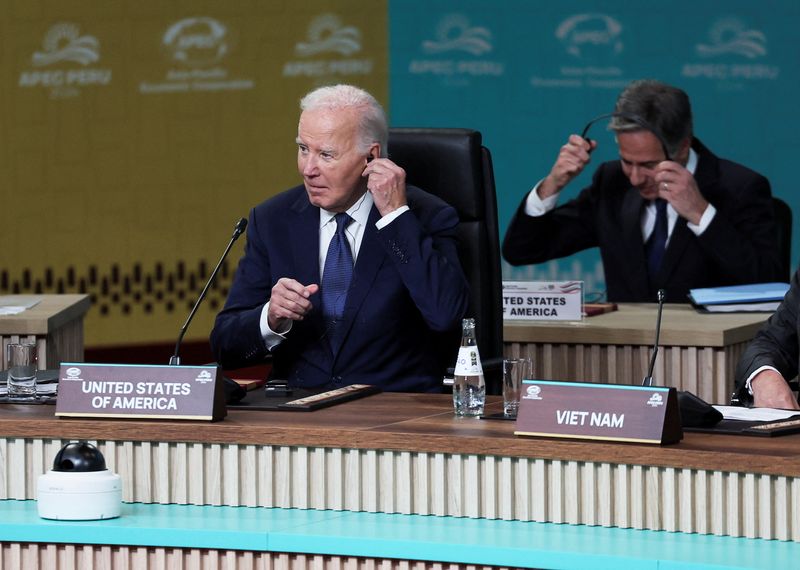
x,y
353,276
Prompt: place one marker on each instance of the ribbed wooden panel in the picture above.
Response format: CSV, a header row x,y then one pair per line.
x,y
64,344
602,494
14,556
706,372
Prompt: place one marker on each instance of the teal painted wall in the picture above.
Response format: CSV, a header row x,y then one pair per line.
x,y
529,73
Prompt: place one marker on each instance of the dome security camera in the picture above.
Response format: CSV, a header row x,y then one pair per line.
x,y
79,486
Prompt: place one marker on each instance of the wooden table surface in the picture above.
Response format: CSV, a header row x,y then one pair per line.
x,y
50,313
415,423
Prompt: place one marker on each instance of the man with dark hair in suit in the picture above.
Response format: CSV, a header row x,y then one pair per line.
x,y
771,358
353,276
667,215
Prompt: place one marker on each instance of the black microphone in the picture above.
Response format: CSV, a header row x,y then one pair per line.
x,y
175,360
648,380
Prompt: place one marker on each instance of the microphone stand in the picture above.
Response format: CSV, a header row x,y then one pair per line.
x,y
648,380
175,360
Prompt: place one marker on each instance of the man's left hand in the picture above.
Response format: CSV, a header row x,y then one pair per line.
x,y
387,183
677,186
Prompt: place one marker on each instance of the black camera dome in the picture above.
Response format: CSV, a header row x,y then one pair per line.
x,y
79,457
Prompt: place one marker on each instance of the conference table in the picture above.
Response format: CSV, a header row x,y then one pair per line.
x,y
409,456
698,351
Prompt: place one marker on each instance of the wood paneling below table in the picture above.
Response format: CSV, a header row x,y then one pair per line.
x,y
407,453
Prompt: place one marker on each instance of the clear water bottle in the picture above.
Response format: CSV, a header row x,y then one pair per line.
x,y
469,388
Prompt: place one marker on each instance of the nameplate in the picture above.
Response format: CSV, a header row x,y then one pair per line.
x,y
140,391
542,300
609,412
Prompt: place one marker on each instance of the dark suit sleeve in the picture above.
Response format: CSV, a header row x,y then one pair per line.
x,y
422,245
236,337
776,343
741,240
567,229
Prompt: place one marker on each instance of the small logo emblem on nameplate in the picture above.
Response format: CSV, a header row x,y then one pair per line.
x,y
532,393
73,373
655,401
204,377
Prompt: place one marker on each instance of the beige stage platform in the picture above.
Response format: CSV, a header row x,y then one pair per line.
x,y
403,453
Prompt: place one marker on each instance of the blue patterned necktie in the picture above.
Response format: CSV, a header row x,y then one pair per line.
x,y
336,277
657,242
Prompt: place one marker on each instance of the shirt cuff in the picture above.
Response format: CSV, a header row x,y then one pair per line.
x,y
705,220
391,216
754,374
271,338
535,206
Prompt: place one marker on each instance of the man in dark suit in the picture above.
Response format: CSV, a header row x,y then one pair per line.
x,y
668,215
772,357
353,276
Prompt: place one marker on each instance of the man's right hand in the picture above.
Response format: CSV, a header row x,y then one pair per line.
x,y
289,302
571,161
770,390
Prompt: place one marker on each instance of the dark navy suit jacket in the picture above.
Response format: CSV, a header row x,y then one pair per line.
x,y
407,294
776,344
739,246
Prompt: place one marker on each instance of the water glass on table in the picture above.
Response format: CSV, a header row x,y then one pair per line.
x,y
515,370
21,359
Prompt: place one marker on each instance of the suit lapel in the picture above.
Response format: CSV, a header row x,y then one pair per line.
x,y
678,240
705,175
632,205
305,239
305,252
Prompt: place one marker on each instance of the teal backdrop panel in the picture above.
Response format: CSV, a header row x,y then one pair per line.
x,y
527,74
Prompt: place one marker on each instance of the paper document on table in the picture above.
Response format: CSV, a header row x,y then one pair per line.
x,y
755,414
41,389
15,304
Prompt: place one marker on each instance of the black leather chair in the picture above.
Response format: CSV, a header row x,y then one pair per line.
x,y
783,225
453,164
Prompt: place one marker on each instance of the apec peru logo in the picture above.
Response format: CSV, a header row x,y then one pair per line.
x,y
63,47
204,377
326,33
730,36
63,42
457,52
732,53
454,33
326,50
196,49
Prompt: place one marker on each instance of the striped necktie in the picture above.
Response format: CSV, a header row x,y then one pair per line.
x,y
657,242
336,277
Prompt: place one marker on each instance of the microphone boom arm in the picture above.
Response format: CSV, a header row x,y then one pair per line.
x,y
175,360
648,380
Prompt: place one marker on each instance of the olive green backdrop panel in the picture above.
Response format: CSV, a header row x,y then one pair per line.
x,y
133,135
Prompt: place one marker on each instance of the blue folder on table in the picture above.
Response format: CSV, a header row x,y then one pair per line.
x,y
752,297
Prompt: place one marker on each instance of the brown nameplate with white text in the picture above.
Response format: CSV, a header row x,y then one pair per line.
x,y
611,412
140,391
